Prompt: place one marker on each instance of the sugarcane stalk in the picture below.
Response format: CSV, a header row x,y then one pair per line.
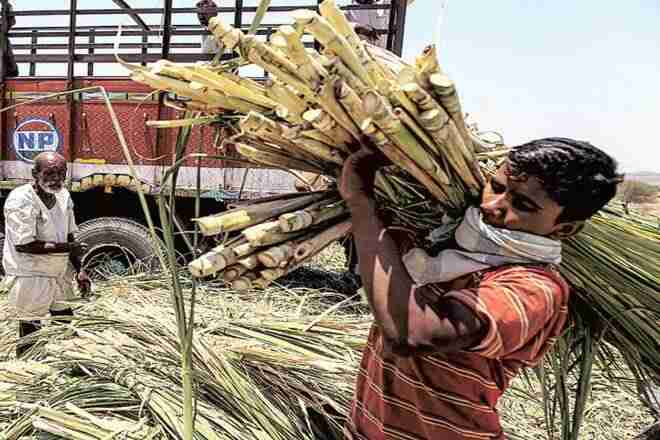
x,y
337,68
351,102
329,127
308,130
443,131
270,56
308,68
419,96
445,90
196,91
277,255
317,243
225,83
403,138
327,100
333,41
267,234
234,272
320,150
212,262
261,283
264,128
243,217
283,161
413,126
160,82
226,34
315,214
178,123
261,140
243,249
245,282
219,98
260,144
273,273
249,262
337,19
400,159
257,233
426,64
287,98
283,75
304,250
196,106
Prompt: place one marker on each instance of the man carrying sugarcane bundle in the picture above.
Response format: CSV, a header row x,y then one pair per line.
x,y
40,247
451,331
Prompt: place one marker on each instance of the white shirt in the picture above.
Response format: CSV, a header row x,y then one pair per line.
x,y
27,219
210,44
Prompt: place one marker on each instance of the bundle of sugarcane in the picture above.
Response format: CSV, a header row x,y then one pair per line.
x,y
322,106
276,237
315,111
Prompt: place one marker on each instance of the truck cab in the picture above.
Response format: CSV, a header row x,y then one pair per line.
x,y
65,53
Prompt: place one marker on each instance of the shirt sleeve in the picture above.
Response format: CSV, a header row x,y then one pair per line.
x,y
20,221
524,311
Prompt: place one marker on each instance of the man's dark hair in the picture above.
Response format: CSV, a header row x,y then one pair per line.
x,y
575,174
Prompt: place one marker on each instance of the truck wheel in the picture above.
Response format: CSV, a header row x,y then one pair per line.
x,y
117,246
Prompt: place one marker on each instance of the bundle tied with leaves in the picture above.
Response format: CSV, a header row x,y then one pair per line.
x,y
318,107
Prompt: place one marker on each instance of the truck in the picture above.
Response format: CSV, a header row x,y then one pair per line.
x,y
72,49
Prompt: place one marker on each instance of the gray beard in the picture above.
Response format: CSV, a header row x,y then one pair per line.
x,y
48,190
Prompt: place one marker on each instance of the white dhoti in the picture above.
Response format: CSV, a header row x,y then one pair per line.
x,y
32,297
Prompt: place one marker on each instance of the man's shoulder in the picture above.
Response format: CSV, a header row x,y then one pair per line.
x,y
541,276
20,195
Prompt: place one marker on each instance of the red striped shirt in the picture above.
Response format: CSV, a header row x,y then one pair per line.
x,y
453,396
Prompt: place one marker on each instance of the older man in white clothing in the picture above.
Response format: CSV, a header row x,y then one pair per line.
x,y
40,252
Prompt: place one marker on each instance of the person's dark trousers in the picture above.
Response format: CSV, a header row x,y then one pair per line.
x,y
28,327
25,328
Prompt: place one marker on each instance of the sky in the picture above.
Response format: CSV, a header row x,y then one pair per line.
x,y
587,69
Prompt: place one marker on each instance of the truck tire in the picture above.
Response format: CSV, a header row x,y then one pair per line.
x,y
117,246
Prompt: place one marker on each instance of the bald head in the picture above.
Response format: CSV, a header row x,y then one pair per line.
x,y
49,171
48,159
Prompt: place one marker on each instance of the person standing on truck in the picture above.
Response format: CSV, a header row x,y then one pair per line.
x,y
452,331
11,68
207,9
40,248
368,22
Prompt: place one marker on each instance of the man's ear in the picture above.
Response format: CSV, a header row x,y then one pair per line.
x,y
567,230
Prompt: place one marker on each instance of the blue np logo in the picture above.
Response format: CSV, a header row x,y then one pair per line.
x,y
33,136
